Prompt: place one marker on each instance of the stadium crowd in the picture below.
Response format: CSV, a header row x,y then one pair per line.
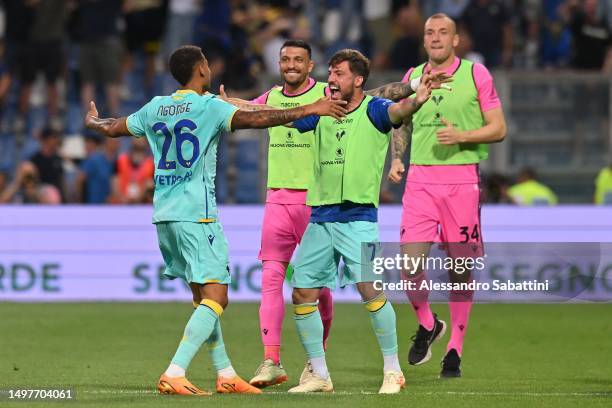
x,y
57,55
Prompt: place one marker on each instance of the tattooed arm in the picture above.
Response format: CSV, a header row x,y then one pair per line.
x,y
275,117
402,113
401,140
396,91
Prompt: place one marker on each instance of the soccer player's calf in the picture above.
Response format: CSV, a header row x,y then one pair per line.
x,y
283,228
447,214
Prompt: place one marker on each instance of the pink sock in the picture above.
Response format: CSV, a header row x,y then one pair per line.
x,y
418,299
272,308
326,309
460,304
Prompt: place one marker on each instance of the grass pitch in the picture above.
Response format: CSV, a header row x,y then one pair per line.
x,y
112,355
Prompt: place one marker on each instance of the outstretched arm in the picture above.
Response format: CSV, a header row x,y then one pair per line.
x,y
400,112
110,127
396,91
275,117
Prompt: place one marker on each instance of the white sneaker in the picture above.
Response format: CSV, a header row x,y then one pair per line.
x,y
268,373
393,382
306,372
314,383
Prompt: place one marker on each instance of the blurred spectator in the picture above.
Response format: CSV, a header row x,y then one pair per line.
x,y
100,51
271,38
495,189
180,25
555,37
591,34
212,30
240,70
4,179
529,191
149,192
26,188
45,53
145,22
406,50
47,161
523,20
603,186
97,170
488,22
19,18
5,80
465,47
452,8
378,17
342,24
135,170
605,11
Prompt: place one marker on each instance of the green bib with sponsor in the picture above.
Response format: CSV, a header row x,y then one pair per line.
x,y
349,157
460,107
289,151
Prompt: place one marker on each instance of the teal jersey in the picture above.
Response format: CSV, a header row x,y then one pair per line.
x,y
183,132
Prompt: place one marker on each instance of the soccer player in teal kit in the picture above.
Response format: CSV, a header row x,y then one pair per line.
x,y
183,132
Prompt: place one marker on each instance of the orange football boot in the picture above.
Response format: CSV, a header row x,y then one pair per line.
x,y
235,385
179,386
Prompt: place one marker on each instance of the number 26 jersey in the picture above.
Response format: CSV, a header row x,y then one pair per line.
x,y
183,131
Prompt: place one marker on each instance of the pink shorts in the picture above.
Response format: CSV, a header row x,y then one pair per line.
x,y
283,228
441,213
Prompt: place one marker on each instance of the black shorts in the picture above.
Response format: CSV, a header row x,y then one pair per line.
x,y
100,61
31,58
144,30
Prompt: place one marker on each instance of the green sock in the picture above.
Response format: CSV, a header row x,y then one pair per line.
x,y
310,328
198,329
382,316
216,348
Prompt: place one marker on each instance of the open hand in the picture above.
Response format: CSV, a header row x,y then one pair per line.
x,y
92,121
423,92
437,80
222,93
328,107
92,115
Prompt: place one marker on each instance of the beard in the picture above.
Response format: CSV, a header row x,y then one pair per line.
x,y
347,95
301,77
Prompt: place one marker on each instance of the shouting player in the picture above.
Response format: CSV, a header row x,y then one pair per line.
x,y
450,134
286,215
344,189
183,132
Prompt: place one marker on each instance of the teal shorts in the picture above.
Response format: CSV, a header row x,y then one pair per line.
x,y
195,252
322,246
